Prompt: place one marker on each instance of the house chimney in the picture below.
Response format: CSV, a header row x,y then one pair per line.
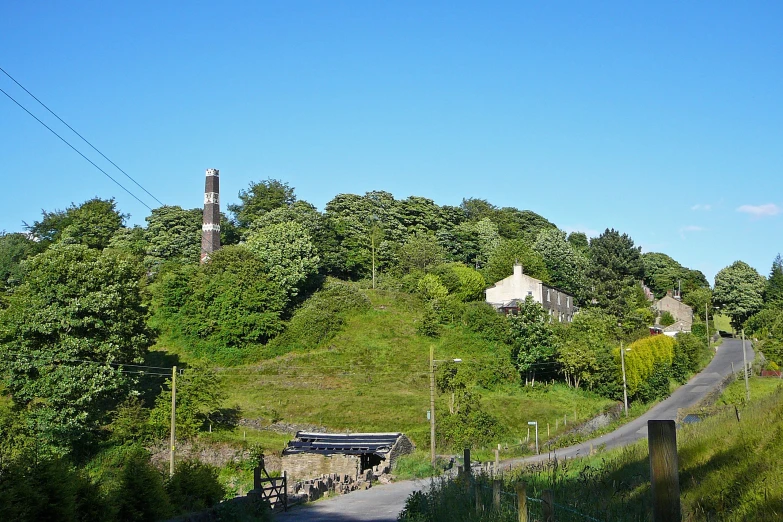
x,y
517,269
210,229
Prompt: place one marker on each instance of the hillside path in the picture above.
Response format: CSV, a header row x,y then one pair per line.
x,y
384,503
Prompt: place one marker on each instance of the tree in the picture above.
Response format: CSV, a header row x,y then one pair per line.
x,y
463,282
566,267
287,253
259,198
69,327
773,294
700,300
92,223
420,252
173,234
739,291
501,262
579,241
14,248
663,274
616,265
581,344
534,342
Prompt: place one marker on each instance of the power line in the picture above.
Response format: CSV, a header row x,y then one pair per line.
x,y
82,137
75,149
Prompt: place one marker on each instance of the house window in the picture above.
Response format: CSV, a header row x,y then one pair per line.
x,y
547,295
558,298
568,302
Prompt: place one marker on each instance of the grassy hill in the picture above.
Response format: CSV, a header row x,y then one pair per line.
x,y
372,375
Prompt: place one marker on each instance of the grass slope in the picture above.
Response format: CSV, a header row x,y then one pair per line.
x,y
373,376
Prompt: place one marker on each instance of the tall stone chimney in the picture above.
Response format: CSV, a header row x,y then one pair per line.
x,y
210,229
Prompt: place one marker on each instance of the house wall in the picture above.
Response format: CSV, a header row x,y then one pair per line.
x,y
559,304
303,466
516,286
680,311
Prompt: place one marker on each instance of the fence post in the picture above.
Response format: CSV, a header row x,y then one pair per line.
x,y
257,477
522,501
479,503
664,476
466,462
285,490
548,505
497,462
496,483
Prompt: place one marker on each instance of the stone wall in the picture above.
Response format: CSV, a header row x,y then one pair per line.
x,y
303,466
403,446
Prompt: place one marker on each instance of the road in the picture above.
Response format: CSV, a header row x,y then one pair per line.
x,y
384,503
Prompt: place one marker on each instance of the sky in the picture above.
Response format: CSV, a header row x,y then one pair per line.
x,y
663,120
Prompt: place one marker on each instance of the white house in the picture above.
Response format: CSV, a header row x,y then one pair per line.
x,y
506,294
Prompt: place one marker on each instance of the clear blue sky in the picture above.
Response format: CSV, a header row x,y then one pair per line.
x,y
661,120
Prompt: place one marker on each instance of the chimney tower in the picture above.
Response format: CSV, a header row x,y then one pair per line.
x,y
210,229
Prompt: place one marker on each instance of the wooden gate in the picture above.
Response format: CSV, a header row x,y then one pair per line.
x,y
271,489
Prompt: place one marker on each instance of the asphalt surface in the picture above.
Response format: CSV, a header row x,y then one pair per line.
x,y
384,503
730,351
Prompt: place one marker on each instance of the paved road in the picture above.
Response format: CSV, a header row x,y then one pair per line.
x,y
730,351
377,504
383,503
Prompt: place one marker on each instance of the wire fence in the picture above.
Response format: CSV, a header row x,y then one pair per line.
x,y
506,504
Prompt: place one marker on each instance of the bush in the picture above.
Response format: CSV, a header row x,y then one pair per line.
x,y
667,319
449,309
194,486
657,385
322,316
690,348
429,325
642,357
483,319
472,429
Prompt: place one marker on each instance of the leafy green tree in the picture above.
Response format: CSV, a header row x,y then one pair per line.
x,y
739,291
92,223
200,396
77,317
700,300
520,224
430,287
579,241
463,282
566,267
173,234
14,248
420,252
663,274
501,262
534,342
773,294
287,253
476,209
667,319
581,344
259,198
616,265
132,241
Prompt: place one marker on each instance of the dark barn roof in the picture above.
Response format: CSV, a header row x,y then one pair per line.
x,y
345,444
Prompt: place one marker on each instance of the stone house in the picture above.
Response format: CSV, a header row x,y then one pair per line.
x,y
508,293
312,455
682,313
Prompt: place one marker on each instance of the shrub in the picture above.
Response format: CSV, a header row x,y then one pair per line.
x,y
483,319
431,288
657,385
194,486
429,325
322,316
667,319
691,348
642,356
449,309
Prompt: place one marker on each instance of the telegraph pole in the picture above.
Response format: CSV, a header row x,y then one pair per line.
x,y
432,404
625,386
173,416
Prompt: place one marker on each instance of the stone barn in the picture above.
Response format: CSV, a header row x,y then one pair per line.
x,y
312,455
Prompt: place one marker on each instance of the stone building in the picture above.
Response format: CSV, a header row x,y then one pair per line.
x,y
508,293
312,455
682,313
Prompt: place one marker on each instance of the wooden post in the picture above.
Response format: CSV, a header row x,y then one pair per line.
x,y
173,418
664,470
479,503
547,430
466,462
496,483
497,462
522,501
257,478
548,505
285,490
432,405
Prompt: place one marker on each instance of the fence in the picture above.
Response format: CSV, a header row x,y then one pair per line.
x,y
273,490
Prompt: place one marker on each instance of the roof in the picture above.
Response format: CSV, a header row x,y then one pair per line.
x,y
342,443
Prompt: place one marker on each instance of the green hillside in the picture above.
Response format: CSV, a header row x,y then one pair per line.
x,y
372,375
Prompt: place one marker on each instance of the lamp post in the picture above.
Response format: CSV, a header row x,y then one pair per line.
x,y
625,385
535,423
432,401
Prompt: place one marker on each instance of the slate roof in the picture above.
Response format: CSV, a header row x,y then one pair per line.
x,y
341,443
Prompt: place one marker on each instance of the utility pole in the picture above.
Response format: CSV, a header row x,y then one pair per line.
x,y
707,322
745,364
432,404
173,416
625,386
